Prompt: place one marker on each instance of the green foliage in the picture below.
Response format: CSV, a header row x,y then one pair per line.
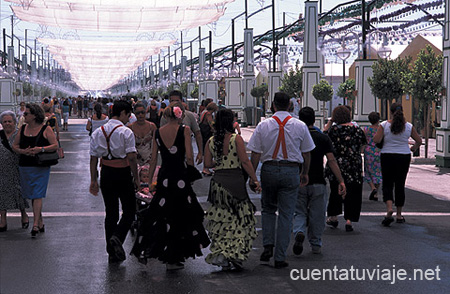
x,y
424,82
27,89
45,91
322,91
194,93
183,89
291,83
346,89
387,82
260,91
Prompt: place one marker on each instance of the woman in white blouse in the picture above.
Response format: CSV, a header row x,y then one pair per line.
x,y
395,159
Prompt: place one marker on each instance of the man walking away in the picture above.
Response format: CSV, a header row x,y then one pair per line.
x,y
283,145
310,209
114,144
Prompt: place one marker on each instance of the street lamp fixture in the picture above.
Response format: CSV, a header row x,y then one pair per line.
x,y
343,53
384,52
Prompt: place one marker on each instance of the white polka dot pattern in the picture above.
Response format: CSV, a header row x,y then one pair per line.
x,y
173,149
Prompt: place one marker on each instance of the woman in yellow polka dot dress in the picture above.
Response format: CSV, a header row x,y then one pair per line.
x,y
231,221
172,226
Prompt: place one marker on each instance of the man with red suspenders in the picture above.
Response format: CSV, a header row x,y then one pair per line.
x,y
283,144
114,144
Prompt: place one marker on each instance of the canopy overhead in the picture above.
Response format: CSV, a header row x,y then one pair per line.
x,y
98,65
117,16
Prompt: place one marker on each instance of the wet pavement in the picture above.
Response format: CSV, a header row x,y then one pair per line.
x,y
70,256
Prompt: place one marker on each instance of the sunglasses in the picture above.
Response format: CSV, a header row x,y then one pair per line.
x,y
139,112
26,113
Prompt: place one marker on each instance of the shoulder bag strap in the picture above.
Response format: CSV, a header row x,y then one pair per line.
x,y
40,134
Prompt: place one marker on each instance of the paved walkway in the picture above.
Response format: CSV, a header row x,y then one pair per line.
x,y
70,256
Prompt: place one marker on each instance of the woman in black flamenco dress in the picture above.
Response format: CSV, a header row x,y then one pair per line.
x,y
172,227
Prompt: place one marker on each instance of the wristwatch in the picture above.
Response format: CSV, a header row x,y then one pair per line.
x,y
43,150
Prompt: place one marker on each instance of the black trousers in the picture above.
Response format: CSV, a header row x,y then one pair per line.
x,y
117,184
352,201
394,169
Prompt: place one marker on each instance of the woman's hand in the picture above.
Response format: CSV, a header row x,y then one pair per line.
x,y
255,186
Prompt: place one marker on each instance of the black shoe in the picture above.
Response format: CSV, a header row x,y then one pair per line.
x,y
34,232
387,221
42,229
116,245
25,225
372,195
348,228
237,266
267,254
281,264
333,224
4,229
298,244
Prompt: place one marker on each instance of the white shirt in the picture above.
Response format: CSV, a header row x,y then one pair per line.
x,y
121,142
296,133
396,143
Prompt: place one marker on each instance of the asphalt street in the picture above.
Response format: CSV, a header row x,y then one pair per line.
x,y
70,256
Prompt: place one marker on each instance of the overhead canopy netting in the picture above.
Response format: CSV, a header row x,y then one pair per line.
x,y
97,65
120,16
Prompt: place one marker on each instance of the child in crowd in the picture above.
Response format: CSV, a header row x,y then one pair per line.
x,y
145,192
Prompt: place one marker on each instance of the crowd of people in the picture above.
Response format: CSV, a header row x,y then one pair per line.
x,y
146,147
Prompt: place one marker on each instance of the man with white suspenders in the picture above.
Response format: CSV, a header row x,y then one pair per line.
x,y
283,145
114,144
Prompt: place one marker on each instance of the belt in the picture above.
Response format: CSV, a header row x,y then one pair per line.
x,y
282,163
116,163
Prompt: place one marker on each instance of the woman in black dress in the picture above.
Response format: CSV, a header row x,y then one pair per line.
x,y
172,227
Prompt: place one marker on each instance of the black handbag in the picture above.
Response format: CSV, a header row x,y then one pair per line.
x,y
45,158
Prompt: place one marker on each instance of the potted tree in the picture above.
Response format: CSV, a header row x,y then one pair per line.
x,y
347,91
387,82
323,91
291,83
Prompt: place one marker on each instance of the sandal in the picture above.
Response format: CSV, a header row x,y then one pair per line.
x,y
401,220
387,221
332,223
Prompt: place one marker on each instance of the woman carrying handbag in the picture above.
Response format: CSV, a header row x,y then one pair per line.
x,y
35,138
